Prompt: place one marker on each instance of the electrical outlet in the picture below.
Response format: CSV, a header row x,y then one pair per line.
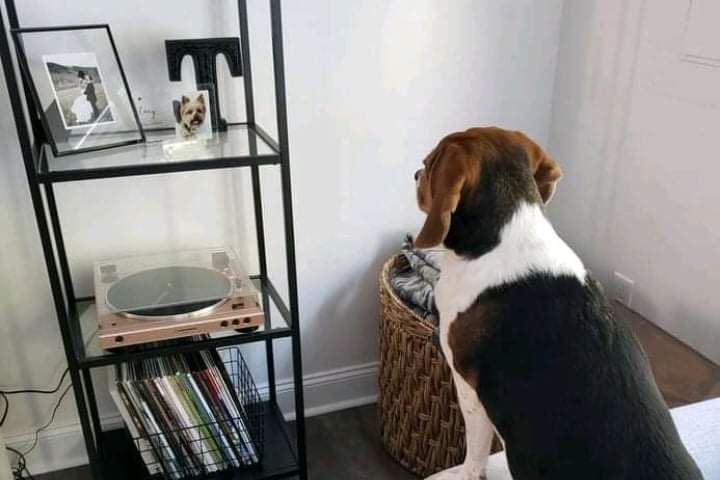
x,y
622,288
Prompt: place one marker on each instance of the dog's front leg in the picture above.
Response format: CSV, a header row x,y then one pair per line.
x,y
479,432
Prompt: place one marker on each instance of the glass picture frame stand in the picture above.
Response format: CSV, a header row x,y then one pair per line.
x,y
79,88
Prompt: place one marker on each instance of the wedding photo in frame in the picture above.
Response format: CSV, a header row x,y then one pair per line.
x,y
79,87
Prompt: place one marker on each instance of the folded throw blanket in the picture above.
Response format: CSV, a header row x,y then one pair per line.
x,y
415,285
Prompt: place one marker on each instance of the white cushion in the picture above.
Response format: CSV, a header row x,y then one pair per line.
x,y
699,427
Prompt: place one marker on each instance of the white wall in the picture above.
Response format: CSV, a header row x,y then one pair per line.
x,y
371,87
635,122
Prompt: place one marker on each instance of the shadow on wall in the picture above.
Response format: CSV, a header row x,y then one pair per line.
x,y
25,304
355,297
590,157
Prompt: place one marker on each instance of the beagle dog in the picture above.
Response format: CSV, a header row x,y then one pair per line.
x,y
535,353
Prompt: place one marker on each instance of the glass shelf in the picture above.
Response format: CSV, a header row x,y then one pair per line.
x,y
241,145
89,353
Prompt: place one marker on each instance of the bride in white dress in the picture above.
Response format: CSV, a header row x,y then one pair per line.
x,y
81,107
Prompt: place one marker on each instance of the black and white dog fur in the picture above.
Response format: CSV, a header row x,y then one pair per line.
x,y
536,355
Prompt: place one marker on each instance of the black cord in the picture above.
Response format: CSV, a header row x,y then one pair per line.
x,y
22,462
4,394
21,457
52,418
17,471
30,477
21,466
7,408
35,390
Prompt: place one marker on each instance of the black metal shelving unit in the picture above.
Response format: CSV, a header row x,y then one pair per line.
x,y
246,145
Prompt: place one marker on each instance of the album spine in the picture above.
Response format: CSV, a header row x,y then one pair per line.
x,y
188,413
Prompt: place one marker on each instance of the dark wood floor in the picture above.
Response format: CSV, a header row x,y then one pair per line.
x,y
341,445
345,445
683,375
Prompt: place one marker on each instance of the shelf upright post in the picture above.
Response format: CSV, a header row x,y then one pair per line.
x,y
282,125
257,192
30,102
60,244
28,154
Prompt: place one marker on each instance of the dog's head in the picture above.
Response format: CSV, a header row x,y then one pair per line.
x,y
475,179
192,112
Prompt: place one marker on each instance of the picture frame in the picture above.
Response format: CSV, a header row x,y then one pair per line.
x,y
79,88
193,115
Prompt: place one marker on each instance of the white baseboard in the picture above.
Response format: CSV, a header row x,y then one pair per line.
x,y
57,448
5,471
63,447
330,391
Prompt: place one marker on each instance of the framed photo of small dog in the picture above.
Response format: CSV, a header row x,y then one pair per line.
x,y
192,116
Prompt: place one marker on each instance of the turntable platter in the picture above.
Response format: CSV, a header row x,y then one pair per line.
x,y
177,292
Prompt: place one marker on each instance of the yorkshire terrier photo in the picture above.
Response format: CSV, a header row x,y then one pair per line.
x,y
192,118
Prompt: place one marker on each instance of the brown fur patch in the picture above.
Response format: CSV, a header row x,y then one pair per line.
x,y
465,337
496,141
545,170
450,170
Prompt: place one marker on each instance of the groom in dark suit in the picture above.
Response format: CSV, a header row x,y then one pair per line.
x,y
89,92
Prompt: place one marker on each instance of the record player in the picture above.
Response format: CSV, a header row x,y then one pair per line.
x,y
161,297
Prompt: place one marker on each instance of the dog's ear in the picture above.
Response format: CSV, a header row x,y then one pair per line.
x,y
201,98
545,169
184,100
547,174
447,177
176,111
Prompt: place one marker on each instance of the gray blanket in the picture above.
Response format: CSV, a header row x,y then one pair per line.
x,y
415,284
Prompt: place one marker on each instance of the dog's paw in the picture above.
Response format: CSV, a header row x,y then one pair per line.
x,y
461,472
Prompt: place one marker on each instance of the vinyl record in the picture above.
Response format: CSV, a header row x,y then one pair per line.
x,y
176,292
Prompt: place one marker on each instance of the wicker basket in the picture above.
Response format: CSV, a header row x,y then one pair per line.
x,y
420,421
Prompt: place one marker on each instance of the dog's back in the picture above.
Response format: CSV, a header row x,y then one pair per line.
x,y
569,388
